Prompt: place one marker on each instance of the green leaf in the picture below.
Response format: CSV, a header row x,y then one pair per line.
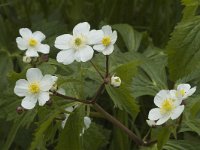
x,y
69,138
122,97
184,48
182,145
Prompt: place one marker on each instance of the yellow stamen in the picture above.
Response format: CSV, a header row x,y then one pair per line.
x,y
78,41
32,42
167,106
106,41
34,87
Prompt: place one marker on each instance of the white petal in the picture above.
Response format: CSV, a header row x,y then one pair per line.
x,y
29,102
154,114
46,83
34,75
163,120
63,41
84,54
43,98
191,91
39,36
21,87
161,96
31,53
25,33
95,36
21,43
66,56
87,122
184,87
61,91
81,28
108,50
69,109
99,47
107,30
64,121
113,37
177,112
43,48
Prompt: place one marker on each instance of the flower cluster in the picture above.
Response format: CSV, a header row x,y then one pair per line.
x,y
170,104
79,46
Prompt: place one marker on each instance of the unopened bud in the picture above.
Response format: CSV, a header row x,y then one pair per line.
x,y
151,123
20,110
115,81
26,59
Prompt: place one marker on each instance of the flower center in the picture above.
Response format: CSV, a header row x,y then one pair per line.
x,y
34,87
106,41
167,106
78,41
32,42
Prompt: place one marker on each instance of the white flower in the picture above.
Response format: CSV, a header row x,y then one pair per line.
x,y
151,123
184,91
77,46
35,88
26,59
32,42
115,81
106,45
168,107
54,86
68,109
87,122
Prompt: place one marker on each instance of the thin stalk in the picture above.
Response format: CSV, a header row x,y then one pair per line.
x,y
95,67
107,66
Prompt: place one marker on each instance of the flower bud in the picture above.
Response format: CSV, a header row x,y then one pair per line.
x,y
26,59
115,81
20,110
151,123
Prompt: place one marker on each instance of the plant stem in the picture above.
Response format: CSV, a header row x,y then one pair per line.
x,y
107,66
99,91
97,69
118,124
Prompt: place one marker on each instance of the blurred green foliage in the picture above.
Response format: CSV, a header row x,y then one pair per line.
x,y
146,58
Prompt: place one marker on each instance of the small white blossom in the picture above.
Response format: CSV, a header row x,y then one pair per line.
x,y
115,81
31,42
168,107
87,122
106,45
184,91
35,88
55,86
77,46
26,59
68,109
151,123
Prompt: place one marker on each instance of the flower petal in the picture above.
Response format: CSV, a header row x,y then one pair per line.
x,y
191,91
25,33
39,36
95,36
161,96
108,50
113,37
43,98
184,87
34,75
46,83
31,53
84,54
21,43
163,119
66,56
99,47
43,48
177,112
87,122
63,42
81,28
29,102
107,30
21,87
154,114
